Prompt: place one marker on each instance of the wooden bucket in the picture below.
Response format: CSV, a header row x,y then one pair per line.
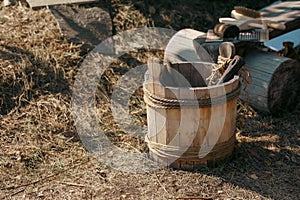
x,y
189,126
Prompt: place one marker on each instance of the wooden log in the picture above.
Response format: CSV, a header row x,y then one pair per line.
x,y
226,30
276,82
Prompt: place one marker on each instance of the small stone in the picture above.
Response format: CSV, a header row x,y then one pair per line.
x,y
253,176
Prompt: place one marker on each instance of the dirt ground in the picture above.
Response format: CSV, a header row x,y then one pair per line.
x,y
42,156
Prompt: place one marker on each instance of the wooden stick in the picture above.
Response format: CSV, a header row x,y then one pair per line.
x,y
200,198
74,184
234,66
162,185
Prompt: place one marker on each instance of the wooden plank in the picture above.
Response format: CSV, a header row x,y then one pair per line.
x,y
173,123
205,118
160,123
185,71
173,134
218,117
189,120
151,124
155,69
287,12
180,47
173,120
229,117
39,3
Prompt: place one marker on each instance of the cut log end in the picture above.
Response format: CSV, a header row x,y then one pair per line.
x,y
284,88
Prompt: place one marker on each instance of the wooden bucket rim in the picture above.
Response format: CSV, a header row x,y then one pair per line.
x,y
234,79
193,62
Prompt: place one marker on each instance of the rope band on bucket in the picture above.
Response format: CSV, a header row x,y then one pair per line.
x,y
155,101
189,153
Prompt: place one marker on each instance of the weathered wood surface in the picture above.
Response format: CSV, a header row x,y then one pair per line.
x,y
275,82
275,79
234,66
287,12
39,3
186,74
226,30
83,24
173,131
227,50
179,47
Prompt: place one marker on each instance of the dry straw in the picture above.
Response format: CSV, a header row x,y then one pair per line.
x,y
42,157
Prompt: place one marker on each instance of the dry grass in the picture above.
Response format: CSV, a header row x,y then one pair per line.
x,y
42,157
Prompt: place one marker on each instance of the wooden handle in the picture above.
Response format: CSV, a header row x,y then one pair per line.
x,y
233,68
236,15
276,25
227,30
227,50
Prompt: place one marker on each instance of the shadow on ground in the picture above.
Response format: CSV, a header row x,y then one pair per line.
x,y
266,159
24,77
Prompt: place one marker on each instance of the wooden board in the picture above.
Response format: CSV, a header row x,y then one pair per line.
x,y
180,47
287,12
39,3
187,74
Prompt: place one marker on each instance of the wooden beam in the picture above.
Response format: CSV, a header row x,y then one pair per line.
x,y
287,12
39,3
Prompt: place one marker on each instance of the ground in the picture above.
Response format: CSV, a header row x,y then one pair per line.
x,y
42,157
